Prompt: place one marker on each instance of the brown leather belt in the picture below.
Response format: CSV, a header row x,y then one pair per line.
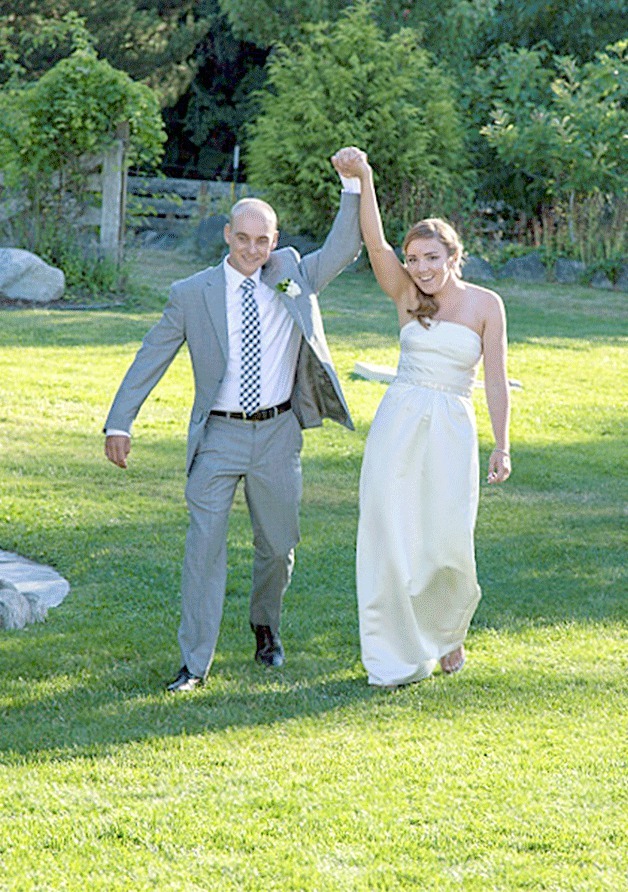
x,y
260,415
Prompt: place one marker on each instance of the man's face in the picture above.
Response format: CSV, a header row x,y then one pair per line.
x,y
251,237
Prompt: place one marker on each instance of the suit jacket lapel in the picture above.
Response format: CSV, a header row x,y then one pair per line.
x,y
214,293
272,274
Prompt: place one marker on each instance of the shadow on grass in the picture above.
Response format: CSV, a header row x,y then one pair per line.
x,y
95,714
549,552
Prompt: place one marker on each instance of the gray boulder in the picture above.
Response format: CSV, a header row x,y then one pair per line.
x,y
304,243
529,268
17,608
568,272
25,276
622,280
475,269
601,280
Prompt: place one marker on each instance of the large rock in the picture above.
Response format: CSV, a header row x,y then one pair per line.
x,y
475,269
622,280
601,280
529,268
568,272
25,276
27,590
18,609
304,244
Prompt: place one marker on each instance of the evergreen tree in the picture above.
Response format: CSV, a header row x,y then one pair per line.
x,y
349,84
152,40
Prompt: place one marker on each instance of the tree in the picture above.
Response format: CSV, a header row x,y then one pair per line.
x,y
562,128
73,110
267,22
460,32
349,84
48,127
208,120
152,40
465,37
579,28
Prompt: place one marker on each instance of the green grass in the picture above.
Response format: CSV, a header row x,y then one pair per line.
x,y
511,776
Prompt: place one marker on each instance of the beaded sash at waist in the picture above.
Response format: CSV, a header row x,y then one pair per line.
x,y
434,385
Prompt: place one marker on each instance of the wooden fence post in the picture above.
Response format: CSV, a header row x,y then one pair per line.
x,y
113,211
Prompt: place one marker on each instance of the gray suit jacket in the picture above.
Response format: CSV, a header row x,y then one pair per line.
x,y
196,314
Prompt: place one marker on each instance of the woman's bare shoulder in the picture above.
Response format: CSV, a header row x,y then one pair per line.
x,y
485,299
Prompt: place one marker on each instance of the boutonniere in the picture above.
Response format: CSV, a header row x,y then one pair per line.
x,y
288,287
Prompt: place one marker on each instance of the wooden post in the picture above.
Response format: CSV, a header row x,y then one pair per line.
x,y
236,167
113,211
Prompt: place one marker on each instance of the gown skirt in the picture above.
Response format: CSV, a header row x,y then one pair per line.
x,y
416,574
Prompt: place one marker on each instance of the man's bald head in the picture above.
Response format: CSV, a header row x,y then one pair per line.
x,y
253,207
251,234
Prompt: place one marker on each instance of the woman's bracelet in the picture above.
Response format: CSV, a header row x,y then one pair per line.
x,y
502,451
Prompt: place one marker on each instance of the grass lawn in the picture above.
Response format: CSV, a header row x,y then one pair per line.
x,y
510,776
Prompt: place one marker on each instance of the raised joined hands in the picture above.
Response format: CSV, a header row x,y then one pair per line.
x,y
350,162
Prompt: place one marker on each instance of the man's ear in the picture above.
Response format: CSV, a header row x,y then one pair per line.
x,y
227,233
275,239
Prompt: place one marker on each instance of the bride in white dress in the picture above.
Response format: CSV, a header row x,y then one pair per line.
x,y
416,576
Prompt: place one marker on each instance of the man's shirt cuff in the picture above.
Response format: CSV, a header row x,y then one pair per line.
x,y
351,184
112,432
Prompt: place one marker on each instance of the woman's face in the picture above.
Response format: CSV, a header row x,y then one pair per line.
x,y
429,264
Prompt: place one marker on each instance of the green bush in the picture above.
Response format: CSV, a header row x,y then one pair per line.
x,y
47,131
348,84
560,127
73,110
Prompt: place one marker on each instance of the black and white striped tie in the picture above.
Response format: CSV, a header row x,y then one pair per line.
x,y
250,379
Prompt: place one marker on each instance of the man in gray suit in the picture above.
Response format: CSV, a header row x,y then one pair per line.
x,y
262,371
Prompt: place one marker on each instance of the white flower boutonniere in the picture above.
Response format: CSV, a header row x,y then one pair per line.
x,y
289,287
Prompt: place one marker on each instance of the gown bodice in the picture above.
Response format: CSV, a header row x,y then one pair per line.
x,y
444,356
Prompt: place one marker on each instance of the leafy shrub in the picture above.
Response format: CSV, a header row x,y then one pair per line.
x,y
347,84
47,131
560,127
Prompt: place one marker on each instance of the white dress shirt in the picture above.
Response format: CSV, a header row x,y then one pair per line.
x,y
280,340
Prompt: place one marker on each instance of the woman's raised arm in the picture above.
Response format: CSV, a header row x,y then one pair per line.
x,y
388,269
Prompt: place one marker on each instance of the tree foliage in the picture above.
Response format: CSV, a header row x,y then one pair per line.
x,y
73,109
465,36
348,84
579,28
152,40
208,120
268,22
47,130
206,60
460,32
562,127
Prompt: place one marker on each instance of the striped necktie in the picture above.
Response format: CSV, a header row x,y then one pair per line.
x,y
250,378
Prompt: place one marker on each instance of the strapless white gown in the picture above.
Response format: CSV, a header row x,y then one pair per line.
x,y
416,575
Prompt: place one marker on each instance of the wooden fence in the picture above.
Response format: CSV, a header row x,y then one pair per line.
x,y
165,203
138,203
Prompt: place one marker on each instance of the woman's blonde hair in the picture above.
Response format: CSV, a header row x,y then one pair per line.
x,y
434,227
